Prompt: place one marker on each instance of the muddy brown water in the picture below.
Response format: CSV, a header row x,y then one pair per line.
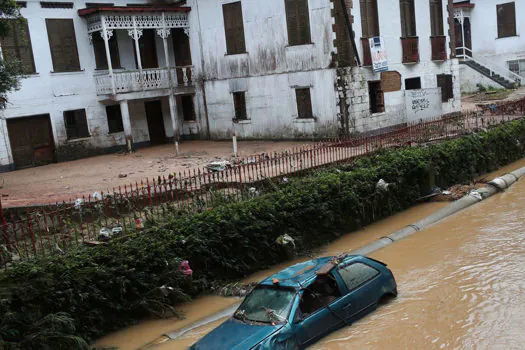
x,y
461,285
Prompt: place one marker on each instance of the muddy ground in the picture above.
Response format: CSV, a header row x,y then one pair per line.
x,y
70,180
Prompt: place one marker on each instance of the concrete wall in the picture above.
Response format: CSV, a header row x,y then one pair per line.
x,y
471,79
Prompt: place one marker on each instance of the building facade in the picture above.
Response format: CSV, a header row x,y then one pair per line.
x,y
490,42
107,76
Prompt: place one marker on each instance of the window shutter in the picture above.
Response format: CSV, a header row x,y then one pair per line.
x,y
364,19
63,44
17,45
291,22
234,28
373,17
408,19
436,18
506,19
303,21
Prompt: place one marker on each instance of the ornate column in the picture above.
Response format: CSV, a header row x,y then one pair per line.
x,y
135,34
106,35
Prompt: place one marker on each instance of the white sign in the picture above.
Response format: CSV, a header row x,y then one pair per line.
x,y
378,53
423,104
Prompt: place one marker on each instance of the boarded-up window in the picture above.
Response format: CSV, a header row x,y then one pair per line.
x,y
63,44
408,18
369,18
298,22
304,103
114,119
239,104
506,19
188,109
234,28
76,124
376,96
100,52
16,45
444,81
436,18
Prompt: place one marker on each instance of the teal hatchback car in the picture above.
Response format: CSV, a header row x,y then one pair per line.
x,y
301,304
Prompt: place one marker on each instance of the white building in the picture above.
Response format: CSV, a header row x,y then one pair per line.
x,y
281,69
494,43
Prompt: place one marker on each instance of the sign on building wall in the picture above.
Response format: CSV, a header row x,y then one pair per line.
x,y
423,104
378,53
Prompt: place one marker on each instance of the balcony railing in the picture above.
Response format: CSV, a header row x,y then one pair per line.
x,y
439,48
367,55
148,79
410,49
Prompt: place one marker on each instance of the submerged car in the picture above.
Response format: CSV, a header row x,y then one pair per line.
x,y
302,303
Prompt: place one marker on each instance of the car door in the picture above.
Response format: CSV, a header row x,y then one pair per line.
x,y
363,289
326,319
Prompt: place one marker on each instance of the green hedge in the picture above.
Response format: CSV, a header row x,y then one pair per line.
x,y
64,302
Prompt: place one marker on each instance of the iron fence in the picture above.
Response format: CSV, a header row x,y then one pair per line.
x,y
94,218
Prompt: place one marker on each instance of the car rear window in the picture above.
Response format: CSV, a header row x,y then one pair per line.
x,y
356,274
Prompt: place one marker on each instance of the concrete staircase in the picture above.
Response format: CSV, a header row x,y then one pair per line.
x,y
490,74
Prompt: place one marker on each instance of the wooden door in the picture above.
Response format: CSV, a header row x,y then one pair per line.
x,y
182,53
31,141
157,132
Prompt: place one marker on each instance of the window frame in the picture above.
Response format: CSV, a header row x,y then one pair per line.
x,y
365,11
406,27
445,97
119,113
73,113
240,103
342,266
300,22
19,44
60,69
234,46
382,109
502,22
436,28
309,107
193,116
412,79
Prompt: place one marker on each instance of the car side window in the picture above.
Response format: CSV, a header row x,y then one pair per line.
x,y
321,293
356,274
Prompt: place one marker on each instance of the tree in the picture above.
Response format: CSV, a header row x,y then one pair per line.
x,y
11,71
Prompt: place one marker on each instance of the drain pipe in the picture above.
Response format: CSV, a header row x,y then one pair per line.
x,y
498,184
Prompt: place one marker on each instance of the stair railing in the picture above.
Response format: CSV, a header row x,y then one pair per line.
x,y
491,66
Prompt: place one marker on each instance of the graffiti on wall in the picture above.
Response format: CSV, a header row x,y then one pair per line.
x,y
422,104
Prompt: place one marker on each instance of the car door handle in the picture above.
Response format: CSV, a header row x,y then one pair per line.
x,y
347,306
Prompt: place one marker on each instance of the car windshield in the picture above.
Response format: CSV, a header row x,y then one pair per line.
x,y
267,305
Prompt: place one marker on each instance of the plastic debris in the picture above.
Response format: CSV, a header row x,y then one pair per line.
x,y
78,203
97,196
139,223
185,268
218,166
285,240
476,194
382,185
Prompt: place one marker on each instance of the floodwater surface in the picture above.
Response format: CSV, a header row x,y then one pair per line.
x,y
461,285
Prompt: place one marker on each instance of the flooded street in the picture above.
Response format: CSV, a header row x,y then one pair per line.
x,y
461,285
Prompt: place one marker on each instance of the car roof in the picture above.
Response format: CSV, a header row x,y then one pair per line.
x,y
301,275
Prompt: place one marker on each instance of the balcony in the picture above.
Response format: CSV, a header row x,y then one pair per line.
x,y
367,55
145,80
410,49
439,48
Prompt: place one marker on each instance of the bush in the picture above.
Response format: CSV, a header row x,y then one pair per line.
x,y
63,302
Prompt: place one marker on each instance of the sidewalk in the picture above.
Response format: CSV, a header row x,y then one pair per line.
x,y
63,181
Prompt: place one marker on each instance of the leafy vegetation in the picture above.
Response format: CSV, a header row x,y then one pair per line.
x,y
64,301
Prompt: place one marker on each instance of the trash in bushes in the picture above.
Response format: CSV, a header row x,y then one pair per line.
x,y
382,185
285,240
106,234
185,268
